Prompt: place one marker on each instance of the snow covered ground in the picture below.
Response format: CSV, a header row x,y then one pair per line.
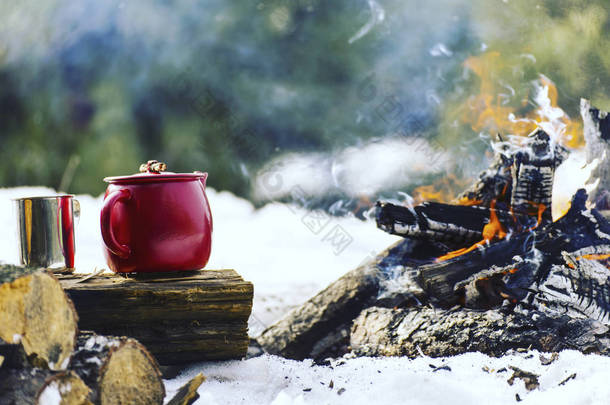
x,y
289,255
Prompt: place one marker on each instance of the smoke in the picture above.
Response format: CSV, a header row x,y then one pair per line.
x,y
331,91
382,164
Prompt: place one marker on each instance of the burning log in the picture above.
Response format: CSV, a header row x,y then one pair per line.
x,y
532,174
453,225
40,386
530,254
516,268
516,188
597,135
36,313
406,331
118,370
494,183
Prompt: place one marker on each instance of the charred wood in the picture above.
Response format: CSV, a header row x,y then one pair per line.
x,y
494,183
597,136
578,229
532,172
454,225
437,332
580,288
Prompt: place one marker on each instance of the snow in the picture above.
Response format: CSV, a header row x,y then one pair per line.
x,y
50,395
273,380
287,254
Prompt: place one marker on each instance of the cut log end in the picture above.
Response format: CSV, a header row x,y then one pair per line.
x,y
119,370
35,311
65,389
39,386
130,365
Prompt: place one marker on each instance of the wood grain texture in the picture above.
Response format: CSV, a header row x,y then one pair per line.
x,y
119,370
36,313
180,317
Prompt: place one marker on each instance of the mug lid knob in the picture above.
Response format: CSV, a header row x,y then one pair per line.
x,y
153,166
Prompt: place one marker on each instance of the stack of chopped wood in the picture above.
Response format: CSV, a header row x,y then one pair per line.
x,y
44,359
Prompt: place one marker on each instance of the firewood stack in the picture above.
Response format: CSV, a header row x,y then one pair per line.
x,y
183,317
489,273
43,358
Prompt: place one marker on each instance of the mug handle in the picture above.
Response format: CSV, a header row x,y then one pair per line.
x,y
123,251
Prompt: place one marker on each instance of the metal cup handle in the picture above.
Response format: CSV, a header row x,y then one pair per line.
x,y
76,210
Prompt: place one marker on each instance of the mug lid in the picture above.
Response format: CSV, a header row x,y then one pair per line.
x,y
154,171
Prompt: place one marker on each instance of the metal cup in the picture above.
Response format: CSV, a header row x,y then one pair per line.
x,y
46,231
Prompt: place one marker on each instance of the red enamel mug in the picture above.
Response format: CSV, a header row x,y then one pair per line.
x,y
156,221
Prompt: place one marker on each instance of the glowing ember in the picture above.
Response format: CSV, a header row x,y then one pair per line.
x,y
492,231
594,257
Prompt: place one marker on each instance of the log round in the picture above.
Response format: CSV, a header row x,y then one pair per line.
x,y
35,311
119,370
41,386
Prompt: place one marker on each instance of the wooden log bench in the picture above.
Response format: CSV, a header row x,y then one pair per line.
x,y
179,317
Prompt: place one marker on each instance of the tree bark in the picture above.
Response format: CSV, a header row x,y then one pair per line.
x,y
320,327
187,394
180,318
436,332
35,311
119,370
40,386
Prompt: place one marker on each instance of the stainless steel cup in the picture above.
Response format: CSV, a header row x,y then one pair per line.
x,y
46,231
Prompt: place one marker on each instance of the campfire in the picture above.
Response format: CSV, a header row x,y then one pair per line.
x,y
500,268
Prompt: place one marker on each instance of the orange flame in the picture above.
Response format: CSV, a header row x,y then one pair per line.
x,y
489,110
444,189
493,230
541,209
